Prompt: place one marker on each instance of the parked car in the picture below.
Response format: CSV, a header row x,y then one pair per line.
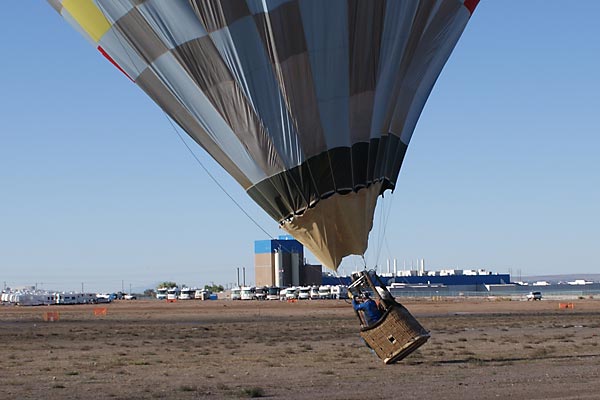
x,y
534,296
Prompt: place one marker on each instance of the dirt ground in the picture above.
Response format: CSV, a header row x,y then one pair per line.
x,y
479,349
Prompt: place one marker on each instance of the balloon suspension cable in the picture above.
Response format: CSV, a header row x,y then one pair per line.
x,y
341,283
215,179
383,220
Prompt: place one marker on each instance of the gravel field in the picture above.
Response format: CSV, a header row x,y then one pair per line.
x,y
479,349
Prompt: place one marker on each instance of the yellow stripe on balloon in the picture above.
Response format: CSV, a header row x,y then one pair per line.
x,y
88,16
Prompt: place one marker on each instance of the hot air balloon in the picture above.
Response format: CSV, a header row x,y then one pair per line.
x,y
308,104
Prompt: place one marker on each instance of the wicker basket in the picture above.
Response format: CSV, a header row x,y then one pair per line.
x,y
395,335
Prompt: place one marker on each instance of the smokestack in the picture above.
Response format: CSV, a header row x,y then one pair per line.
x,y
395,268
278,274
238,276
295,261
388,265
244,274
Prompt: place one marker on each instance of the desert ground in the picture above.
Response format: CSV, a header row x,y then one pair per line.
x,y
479,349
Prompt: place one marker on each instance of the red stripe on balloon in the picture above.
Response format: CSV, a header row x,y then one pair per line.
x,y
113,62
471,4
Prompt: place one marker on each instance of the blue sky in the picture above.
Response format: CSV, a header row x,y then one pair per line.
x,y
502,172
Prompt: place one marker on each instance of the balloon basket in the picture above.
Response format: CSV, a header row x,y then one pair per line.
x,y
396,335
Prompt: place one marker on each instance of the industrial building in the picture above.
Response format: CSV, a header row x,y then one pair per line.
x,y
280,262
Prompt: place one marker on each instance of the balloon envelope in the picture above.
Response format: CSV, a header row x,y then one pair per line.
x,y
308,104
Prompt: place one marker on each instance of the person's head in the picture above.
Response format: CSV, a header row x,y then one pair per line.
x,y
366,296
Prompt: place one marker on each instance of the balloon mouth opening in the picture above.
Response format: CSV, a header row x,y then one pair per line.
x,y
386,185
339,227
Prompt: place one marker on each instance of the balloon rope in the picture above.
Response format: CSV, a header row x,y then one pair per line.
x,y
383,225
380,224
213,178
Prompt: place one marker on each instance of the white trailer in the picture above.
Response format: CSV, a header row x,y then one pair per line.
x,y
161,293
291,293
65,298
304,293
325,292
314,292
187,293
32,299
248,293
339,292
202,294
236,293
172,293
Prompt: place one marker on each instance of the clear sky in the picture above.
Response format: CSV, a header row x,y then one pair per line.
x,y
502,172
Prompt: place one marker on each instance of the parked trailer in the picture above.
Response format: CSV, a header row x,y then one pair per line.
x,y
33,299
304,293
291,293
314,292
161,293
65,298
173,293
248,293
187,293
283,293
202,294
339,292
325,292
86,298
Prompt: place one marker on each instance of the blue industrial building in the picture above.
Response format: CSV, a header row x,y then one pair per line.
x,y
280,262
